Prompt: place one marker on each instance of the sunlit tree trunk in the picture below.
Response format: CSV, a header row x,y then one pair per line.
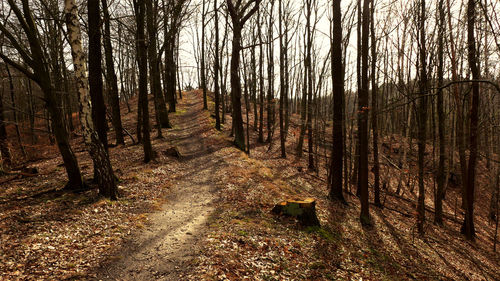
x,y
97,151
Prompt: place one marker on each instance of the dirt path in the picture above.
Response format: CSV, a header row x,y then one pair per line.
x,y
165,248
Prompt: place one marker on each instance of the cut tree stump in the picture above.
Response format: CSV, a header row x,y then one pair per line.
x,y
172,152
303,210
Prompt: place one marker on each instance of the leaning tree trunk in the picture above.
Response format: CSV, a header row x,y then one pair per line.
x,y
97,150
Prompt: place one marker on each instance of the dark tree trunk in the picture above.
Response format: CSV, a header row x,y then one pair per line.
x,y
282,82
154,76
95,71
422,124
142,49
310,102
438,197
261,81
239,134
4,148
270,77
14,110
203,71
335,175
376,164
468,225
363,118
239,16
112,81
216,69
102,166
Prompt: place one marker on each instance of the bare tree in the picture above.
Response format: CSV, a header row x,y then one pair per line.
x,y
97,150
239,13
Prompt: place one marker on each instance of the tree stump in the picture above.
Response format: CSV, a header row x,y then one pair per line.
x,y
172,152
303,210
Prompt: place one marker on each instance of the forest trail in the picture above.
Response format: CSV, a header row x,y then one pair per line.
x,y
164,249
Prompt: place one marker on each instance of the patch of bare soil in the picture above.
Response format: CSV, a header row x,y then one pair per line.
x,y
167,246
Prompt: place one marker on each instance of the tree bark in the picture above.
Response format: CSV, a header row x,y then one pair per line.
x,y
468,226
142,49
112,81
335,175
363,118
422,123
376,164
97,150
216,68
95,71
438,196
154,75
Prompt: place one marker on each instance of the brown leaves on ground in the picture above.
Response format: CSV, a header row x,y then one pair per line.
x,y
59,235
247,242
47,233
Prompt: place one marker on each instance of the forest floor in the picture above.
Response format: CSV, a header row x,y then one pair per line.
x,y
207,216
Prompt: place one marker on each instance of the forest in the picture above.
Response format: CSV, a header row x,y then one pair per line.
x,y
249,139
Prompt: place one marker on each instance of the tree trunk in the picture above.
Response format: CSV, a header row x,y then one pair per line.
x,y
335,180
239,134
270,77
4,148
468,226
438,196
203,72
282,82
14,110
376,164
95,72
422,121
363,118
154,75
261,81
142,49
98,153
216,68
112,81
